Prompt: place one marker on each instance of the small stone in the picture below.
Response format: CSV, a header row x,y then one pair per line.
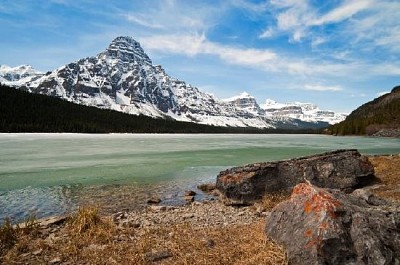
x,y
56,260
189,193
188,216
207,187
241,213
209,243
37,252
157,256
153,200
158,208
135,225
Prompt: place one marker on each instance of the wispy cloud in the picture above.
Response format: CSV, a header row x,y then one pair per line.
x,y
321,88
138,19
198,44
345,11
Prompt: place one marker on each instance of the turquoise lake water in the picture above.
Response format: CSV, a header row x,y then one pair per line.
x,y
48,174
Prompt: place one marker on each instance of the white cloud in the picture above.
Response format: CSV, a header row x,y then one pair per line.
x,y
268,33
343,12
138,19
173,16
198,44
386,69
321,88
318,41
268,60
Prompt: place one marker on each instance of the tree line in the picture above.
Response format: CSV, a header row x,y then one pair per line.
x,y
381,113
22,111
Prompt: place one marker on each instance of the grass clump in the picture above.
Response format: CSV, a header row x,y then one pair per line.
x,y
8,236
86,218
270,200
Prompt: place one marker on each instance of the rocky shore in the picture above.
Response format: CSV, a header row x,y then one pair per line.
x,y
207,232
208,214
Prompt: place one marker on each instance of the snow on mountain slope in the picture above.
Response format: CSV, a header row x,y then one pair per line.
x,y
123,78
245,102
307,112
18,75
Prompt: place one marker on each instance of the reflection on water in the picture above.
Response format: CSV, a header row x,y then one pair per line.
x,y
50,174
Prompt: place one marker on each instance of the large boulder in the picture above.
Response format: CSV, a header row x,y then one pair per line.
x,y
321,226
341,169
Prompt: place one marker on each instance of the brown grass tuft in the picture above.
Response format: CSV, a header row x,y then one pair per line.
x,y
86,218
270,200
8,236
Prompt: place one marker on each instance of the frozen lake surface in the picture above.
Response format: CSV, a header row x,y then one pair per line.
x,y
49,174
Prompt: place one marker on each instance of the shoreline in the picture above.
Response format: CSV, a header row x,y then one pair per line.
x,y
205,232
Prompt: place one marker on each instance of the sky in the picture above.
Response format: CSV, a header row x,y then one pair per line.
x,y
338,54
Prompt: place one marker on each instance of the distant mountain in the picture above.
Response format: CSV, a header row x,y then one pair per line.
x,y
21,111
123,78
380,117
306,112
19,75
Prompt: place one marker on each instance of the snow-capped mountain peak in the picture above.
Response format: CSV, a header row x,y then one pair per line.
x,y
123,78
126,49
246,102
303,111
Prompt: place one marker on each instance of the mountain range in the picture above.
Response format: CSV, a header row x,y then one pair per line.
x,y
123,78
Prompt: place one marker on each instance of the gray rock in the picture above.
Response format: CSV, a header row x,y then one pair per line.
x,y
189,193
154,200
322,226
207,187
341,169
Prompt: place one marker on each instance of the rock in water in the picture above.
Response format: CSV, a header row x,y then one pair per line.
x,y
321,226
341,169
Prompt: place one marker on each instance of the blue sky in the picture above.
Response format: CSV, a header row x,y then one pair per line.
x,y
337,54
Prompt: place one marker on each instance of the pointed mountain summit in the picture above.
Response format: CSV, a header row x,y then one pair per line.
x,y
126,49
123,78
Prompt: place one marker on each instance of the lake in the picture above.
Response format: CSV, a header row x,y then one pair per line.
x,y
48,174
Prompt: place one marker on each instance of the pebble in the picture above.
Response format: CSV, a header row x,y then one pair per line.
x,y
37,252
157,256
56,260
199,214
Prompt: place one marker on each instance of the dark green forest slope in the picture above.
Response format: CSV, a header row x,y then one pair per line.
x,y
375,117
25,112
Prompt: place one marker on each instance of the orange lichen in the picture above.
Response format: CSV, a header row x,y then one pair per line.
x,y
323,225
308,233
319,204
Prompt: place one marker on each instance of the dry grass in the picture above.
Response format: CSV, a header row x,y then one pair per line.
x,y
8,236
387,169
89,239
269,201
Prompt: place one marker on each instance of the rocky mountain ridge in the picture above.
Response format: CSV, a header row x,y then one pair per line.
x,y
123,78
